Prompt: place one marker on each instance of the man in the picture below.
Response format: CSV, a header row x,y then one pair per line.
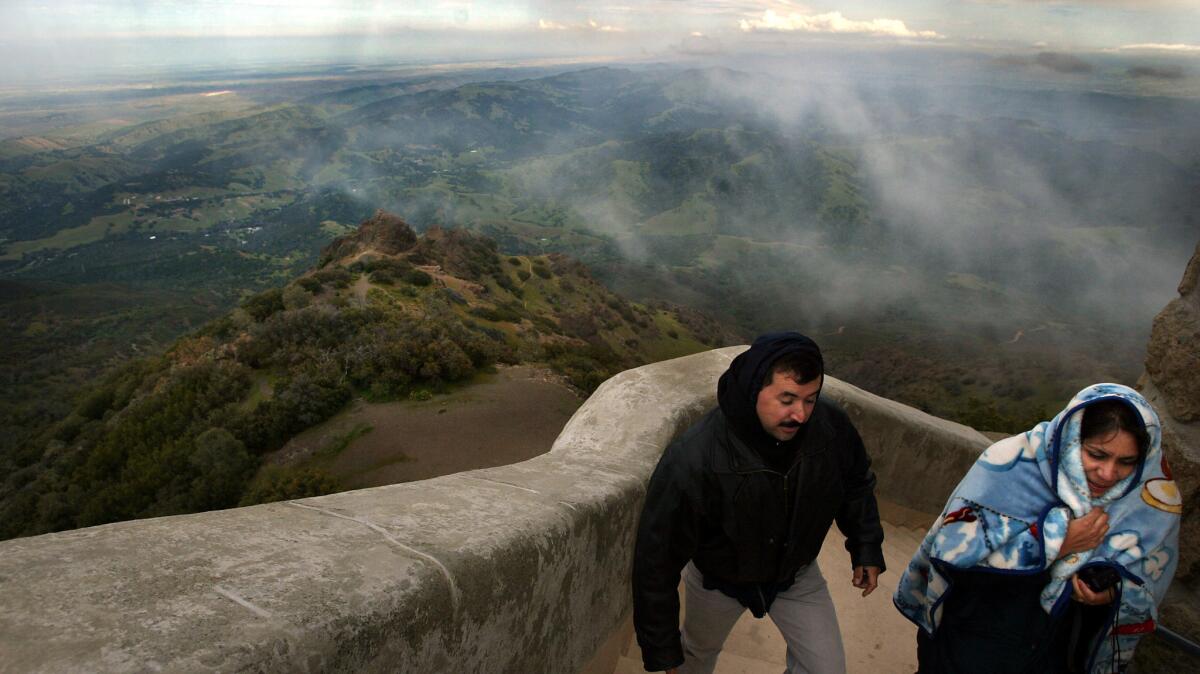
x,y
743,500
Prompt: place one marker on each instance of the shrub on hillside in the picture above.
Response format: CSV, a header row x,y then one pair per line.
x,y
544,324
297,335
224,328
492,334
300,401
264,304
119,387
337,277
309,283
417,277
462,253
145,452
506,283
392,356
499,314
454,297
582,325
95,403
382,277
296,297
368,264
280,483
222,467
586,366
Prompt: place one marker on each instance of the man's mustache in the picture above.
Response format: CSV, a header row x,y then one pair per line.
x,y
790,424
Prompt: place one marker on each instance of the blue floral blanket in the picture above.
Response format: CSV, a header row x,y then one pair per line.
x,y
1009,515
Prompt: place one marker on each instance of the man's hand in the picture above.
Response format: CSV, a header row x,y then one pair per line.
x,y
1085,533
866,578
1086,595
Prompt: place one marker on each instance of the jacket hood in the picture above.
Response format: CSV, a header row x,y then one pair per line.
x,y
737,390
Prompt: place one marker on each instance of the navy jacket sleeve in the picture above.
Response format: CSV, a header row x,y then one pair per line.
x,y
666,539
858,517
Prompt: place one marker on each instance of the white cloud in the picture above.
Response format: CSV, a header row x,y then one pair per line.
x,y
831,22
603,28
1155,46
589,25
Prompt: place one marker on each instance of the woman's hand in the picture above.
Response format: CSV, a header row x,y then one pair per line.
x,y
1086,595
1085,533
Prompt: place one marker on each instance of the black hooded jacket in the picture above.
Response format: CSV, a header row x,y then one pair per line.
x,y
748,510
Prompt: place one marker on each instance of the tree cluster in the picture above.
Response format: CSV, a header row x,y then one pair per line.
x,y
187,431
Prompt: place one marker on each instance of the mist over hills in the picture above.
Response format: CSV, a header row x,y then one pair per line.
x,y
978,247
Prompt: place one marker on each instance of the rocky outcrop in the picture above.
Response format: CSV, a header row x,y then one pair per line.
x,y
1173,354
383,233
1172,384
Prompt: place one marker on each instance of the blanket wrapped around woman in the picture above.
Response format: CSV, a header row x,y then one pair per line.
x,y
1008,518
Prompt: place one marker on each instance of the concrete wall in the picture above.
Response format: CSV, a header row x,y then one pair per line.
x,y
521,568
918,458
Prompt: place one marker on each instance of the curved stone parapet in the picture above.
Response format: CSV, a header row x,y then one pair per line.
x,y
918,458
520,568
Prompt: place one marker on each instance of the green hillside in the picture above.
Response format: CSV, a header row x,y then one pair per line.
x,y
385,315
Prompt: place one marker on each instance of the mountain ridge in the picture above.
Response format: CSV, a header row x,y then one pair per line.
x,y
385,315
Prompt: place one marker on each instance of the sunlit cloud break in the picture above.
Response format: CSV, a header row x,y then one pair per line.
x,y
831,22
1156,46
591,25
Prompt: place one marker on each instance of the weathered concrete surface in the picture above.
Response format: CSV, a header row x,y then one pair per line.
x,y
918,458
1172,385
521,568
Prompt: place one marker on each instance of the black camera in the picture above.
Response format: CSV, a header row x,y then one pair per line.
x,y
1099,577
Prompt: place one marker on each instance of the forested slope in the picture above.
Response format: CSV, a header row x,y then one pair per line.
x,y
385,315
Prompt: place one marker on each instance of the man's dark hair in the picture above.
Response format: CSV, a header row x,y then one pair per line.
x,y
800,365
1103,420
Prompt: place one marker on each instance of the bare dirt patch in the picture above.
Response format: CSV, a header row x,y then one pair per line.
x,y
513,415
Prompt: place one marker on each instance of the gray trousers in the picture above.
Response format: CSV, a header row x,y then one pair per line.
x,y
804,615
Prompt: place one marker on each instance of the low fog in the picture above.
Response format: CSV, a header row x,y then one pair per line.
x,y
947,197
1043,193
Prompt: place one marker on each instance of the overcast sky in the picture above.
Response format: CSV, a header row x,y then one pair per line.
x,y
1064,25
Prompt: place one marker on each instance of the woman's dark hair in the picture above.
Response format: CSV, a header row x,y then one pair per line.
x,y
1106,418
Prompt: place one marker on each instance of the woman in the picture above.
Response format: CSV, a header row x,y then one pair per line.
x,y
1053,552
